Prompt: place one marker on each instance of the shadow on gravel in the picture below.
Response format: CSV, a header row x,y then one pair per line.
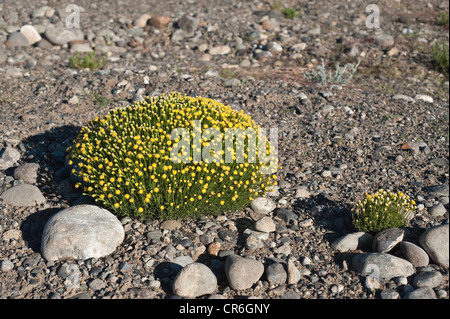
x,y
33,226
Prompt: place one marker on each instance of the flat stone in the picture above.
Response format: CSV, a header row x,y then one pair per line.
x,y
276,274
437,210
194,280
414,254
404,98
387,239
81,47
23,195
382,265
62,35
27,173
262,205
424,98
31,34
81,232
435,241
421,293
220,50
265,224
242,272
353,241
8,157
171,224
429,279
17,40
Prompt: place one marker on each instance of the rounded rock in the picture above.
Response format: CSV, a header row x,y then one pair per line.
x,y
435,241
242,272
27,173
31,34
414,254
265,224
81,232
194,280
23,195
429,279
382,265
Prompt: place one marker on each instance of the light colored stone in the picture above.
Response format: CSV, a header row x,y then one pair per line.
x,y
8,157
263,205
6,265
81,232
142,20
62,35
242,272
382,265
302,192
27,173
435,241
424,98
31,34
404,98
23,195
265,224
194,280
12,234
220,50
171,224
293,274
353,241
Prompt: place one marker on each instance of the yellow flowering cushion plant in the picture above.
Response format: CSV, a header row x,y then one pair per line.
x,y
168,157
383,210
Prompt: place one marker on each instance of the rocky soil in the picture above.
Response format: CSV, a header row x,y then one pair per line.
x,y
387,129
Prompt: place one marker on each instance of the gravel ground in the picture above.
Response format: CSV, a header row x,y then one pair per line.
x,y
336,142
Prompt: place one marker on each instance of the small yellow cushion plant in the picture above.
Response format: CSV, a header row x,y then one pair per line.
x,y
383,210
151,159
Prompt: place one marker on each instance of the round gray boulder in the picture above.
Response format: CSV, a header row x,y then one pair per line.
x,y
81,232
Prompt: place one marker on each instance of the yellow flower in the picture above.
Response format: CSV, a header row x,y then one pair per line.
x,y
116,205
